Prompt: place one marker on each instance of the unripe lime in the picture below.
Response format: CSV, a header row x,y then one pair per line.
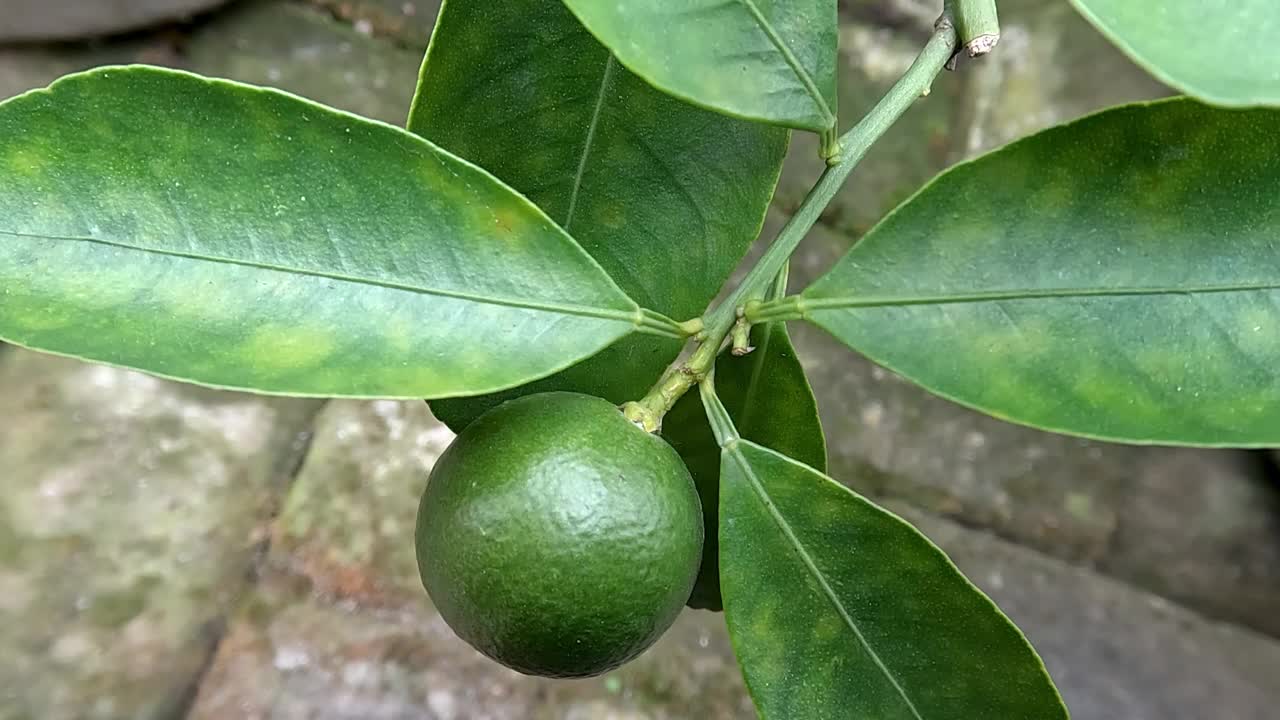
x,y
558,538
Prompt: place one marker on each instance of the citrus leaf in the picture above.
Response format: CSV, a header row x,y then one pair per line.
x,y
241,237
1222,51
665,196
1117,278
875,622
767,60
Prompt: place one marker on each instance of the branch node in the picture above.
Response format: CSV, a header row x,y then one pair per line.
x,y
642,417
741,335
982,44
831,150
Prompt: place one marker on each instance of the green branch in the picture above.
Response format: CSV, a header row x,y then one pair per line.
x,y
718,323
977,26
855,143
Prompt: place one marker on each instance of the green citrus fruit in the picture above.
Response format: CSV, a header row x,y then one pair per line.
x,y
558,538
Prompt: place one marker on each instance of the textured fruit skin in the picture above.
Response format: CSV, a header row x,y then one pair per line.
x,y
558,538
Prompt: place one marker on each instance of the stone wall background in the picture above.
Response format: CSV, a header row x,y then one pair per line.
x,y
171,552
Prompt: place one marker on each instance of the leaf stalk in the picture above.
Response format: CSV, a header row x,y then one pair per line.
x,y
721,422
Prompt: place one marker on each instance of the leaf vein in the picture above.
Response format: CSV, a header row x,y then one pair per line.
x,y
634,317
586,147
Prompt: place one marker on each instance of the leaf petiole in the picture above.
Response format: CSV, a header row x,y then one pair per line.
x,y
721,423
655,323
786,308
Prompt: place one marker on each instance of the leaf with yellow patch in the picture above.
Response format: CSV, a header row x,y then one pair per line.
x,y
242,237
1117,277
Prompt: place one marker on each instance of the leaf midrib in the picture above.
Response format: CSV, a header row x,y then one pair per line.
x,y
590,140
635,317
792,61
805,303
735,451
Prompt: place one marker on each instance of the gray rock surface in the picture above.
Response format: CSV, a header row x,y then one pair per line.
x,y
30,20
1117,653
303,50
294,47
1203,528
131,510
405,22
1052,66
23,69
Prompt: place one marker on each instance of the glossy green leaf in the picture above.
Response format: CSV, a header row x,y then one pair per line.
x,y
839,609
1224,51
767,60
241,237
665,196
770,401
1117,277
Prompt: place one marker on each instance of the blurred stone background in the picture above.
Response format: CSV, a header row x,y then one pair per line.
x,y
174,552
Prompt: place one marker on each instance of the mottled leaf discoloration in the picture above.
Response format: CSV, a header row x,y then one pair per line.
x,y
1118,277
876,622
242,237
